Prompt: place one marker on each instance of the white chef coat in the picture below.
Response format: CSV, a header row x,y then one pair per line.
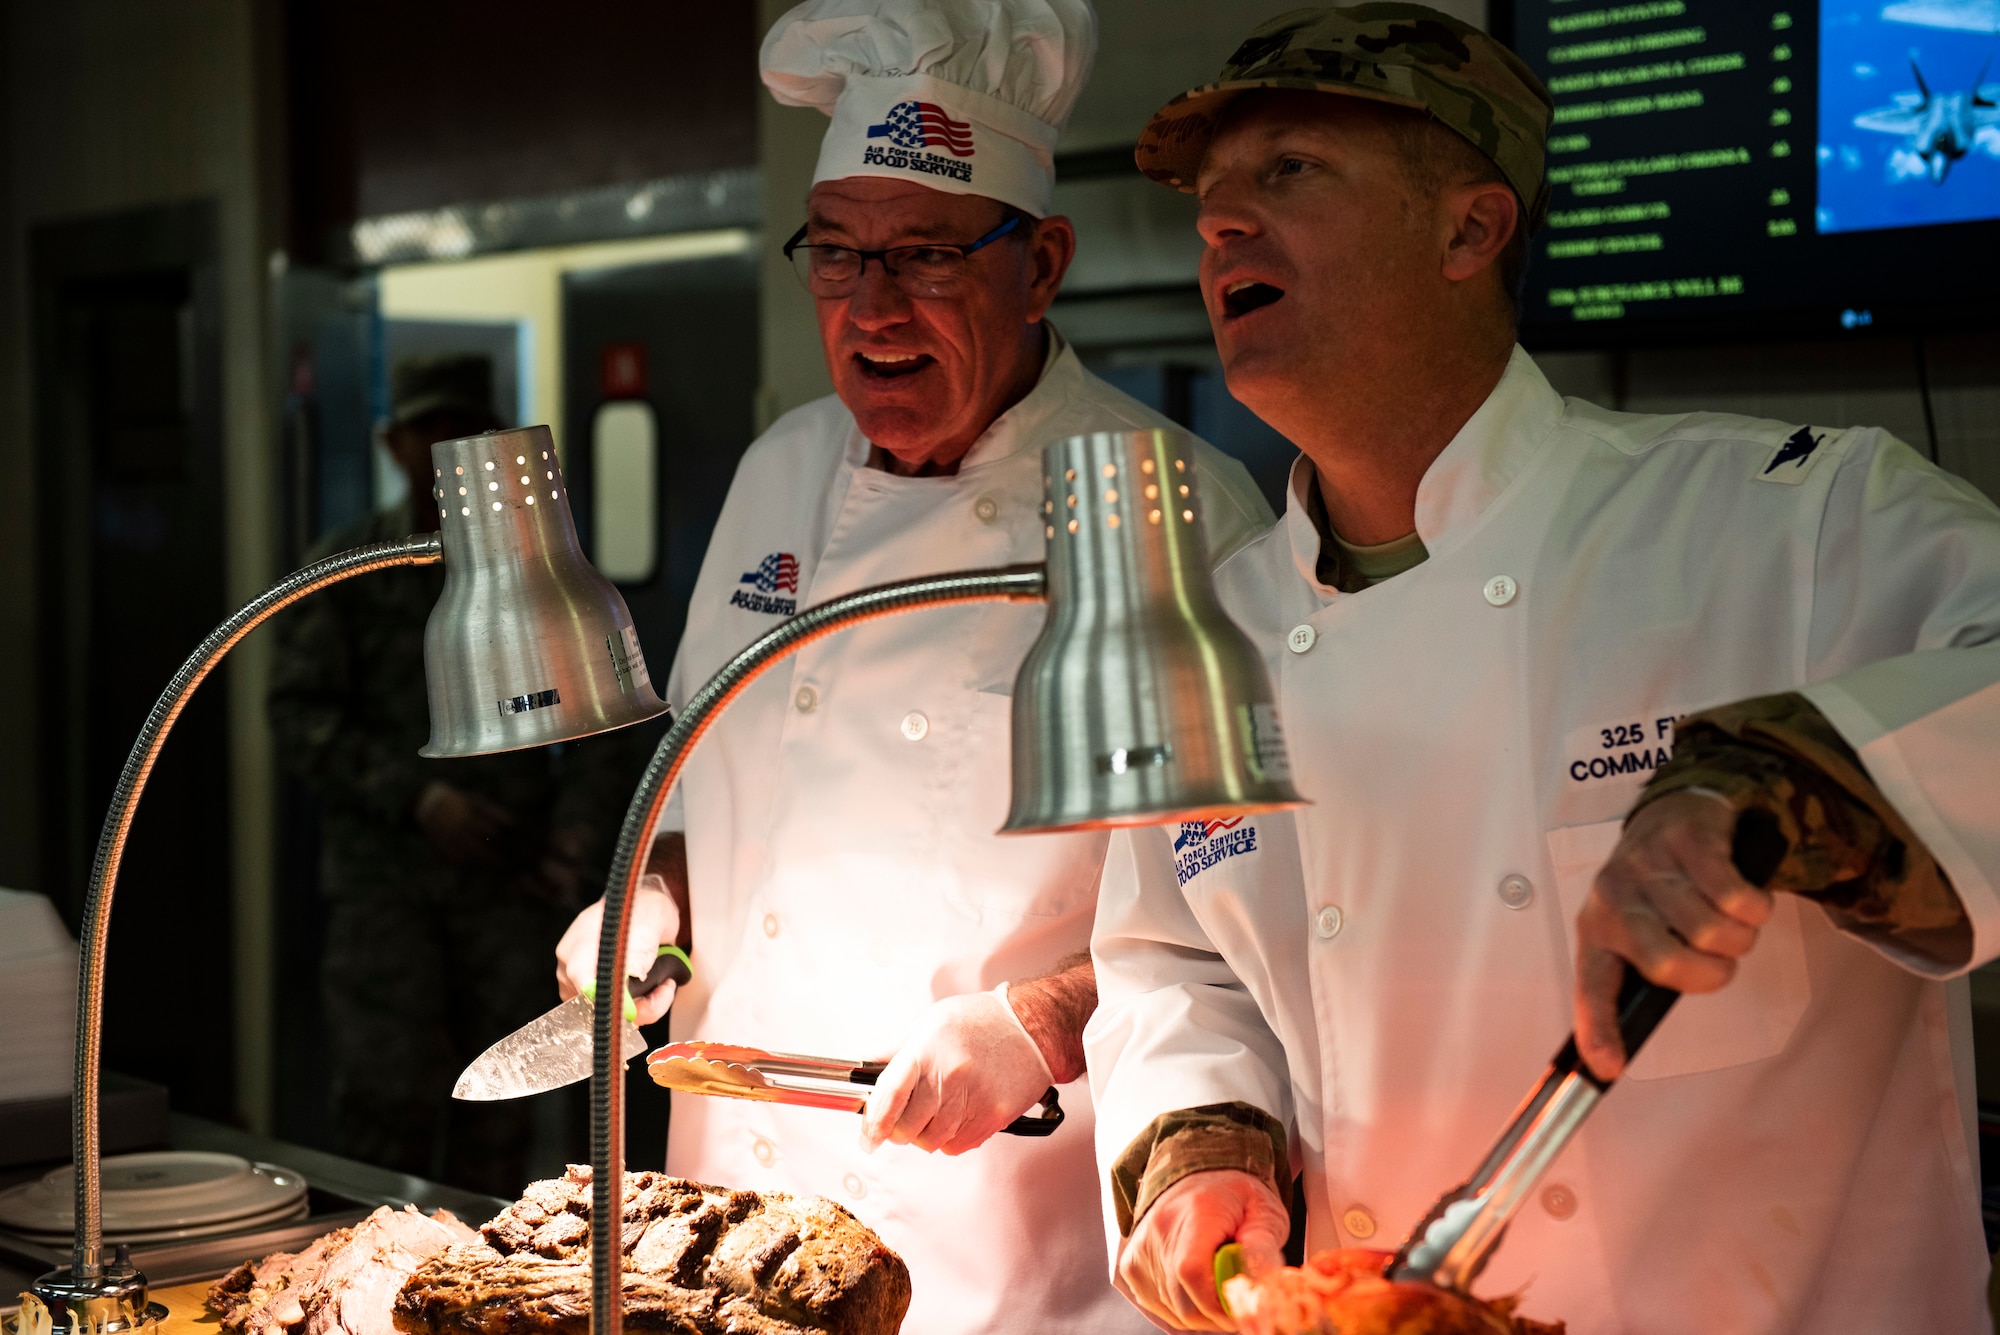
x,y
1388,970
842,854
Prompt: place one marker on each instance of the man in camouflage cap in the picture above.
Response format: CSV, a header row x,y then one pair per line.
x,y
1488,612
1400,55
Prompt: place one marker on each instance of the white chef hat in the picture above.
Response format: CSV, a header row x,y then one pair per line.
x,y
964,96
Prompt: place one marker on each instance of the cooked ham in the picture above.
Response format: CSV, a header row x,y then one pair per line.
x,y
698,1260
1346,1291
344,1282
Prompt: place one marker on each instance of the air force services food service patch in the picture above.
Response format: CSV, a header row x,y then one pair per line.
x,y
1201,844
912,128
776,573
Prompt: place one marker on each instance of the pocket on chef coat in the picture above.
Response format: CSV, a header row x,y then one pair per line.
x,y
1749,1020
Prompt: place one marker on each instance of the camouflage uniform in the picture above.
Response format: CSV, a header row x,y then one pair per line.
x,y
426,962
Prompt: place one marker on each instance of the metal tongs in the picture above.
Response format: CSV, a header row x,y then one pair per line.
x,y
1453,1242
730,1071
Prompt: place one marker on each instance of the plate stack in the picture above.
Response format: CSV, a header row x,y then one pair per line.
x,y
163,1197
38,997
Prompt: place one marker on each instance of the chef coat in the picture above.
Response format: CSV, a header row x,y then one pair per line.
x,y
842,854
1388,970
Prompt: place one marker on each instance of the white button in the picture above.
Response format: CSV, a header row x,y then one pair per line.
x,y
770,924
1301,638
1327,923
1558,1200
855,1186
807,699
985,508
1358,1222
764,1150
1516,892
915,726
1500,590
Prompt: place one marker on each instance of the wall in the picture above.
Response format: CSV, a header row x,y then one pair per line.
x,y
527,286
115,105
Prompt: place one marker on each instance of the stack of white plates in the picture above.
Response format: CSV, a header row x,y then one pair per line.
x,y
160,1197
38,996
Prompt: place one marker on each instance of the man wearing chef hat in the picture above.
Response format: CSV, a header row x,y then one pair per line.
x,y
849,894
1539,664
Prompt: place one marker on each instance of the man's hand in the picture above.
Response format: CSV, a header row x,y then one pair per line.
x,y
1167,1266
655,922
968,1071
1671,902
463,826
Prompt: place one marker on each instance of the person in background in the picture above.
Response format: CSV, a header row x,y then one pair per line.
x,y
836,843
446,881
1541,666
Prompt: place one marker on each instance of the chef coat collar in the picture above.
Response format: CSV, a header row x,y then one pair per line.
x,y
1482,461
1020,425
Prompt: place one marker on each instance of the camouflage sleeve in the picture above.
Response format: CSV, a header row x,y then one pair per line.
x,y
317,740
1196,1140
1846,847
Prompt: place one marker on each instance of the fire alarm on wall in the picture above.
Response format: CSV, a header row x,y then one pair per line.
x,y
621,370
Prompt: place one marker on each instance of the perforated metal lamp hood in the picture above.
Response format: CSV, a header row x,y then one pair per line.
x,y
1141,701
528,644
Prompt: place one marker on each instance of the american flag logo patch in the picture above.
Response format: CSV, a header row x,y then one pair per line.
x,y
779,570
776,574
1201,844
915,125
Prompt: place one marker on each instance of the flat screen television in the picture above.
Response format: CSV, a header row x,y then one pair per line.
x,y
1763,168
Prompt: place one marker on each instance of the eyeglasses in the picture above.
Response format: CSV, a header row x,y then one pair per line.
x,y
926,270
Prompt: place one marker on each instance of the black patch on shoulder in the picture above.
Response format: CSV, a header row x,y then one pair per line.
x,y
1798,448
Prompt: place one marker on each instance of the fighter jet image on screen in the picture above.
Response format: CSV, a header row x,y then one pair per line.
x,y
1941,128
1959,15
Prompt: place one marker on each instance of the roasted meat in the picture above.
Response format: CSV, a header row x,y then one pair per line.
x,y
698,1260
1346,1293
344,1282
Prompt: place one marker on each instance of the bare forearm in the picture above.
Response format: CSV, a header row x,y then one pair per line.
x,y
669,861
1054,1009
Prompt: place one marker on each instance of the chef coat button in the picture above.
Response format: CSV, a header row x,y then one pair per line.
x,y
770,924
985,508
1327,923
915,726
1558,1200
855,1186
806,700
1516,891
1500,590
1359,1223
1301,638
764,1151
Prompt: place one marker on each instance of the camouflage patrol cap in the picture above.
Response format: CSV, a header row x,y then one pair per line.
x,y
1403,54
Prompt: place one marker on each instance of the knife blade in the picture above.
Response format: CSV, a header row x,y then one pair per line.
x,y
554,1049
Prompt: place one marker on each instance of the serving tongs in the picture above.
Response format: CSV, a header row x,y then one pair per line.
x,y
1453,1242
728,1070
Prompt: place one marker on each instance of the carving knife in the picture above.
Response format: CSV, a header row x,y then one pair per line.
x,y
553,1050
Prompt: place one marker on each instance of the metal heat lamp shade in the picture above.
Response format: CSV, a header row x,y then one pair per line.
x,y
1142,701
528,644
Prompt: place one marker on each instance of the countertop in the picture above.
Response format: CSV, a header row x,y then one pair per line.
x,y
358,1188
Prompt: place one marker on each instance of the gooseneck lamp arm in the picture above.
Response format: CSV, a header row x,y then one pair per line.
x,y
419,550
1020,583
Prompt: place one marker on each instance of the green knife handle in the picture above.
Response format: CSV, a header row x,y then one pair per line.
x,y
672,966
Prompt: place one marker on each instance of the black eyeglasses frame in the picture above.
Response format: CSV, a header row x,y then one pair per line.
x,y
965,249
